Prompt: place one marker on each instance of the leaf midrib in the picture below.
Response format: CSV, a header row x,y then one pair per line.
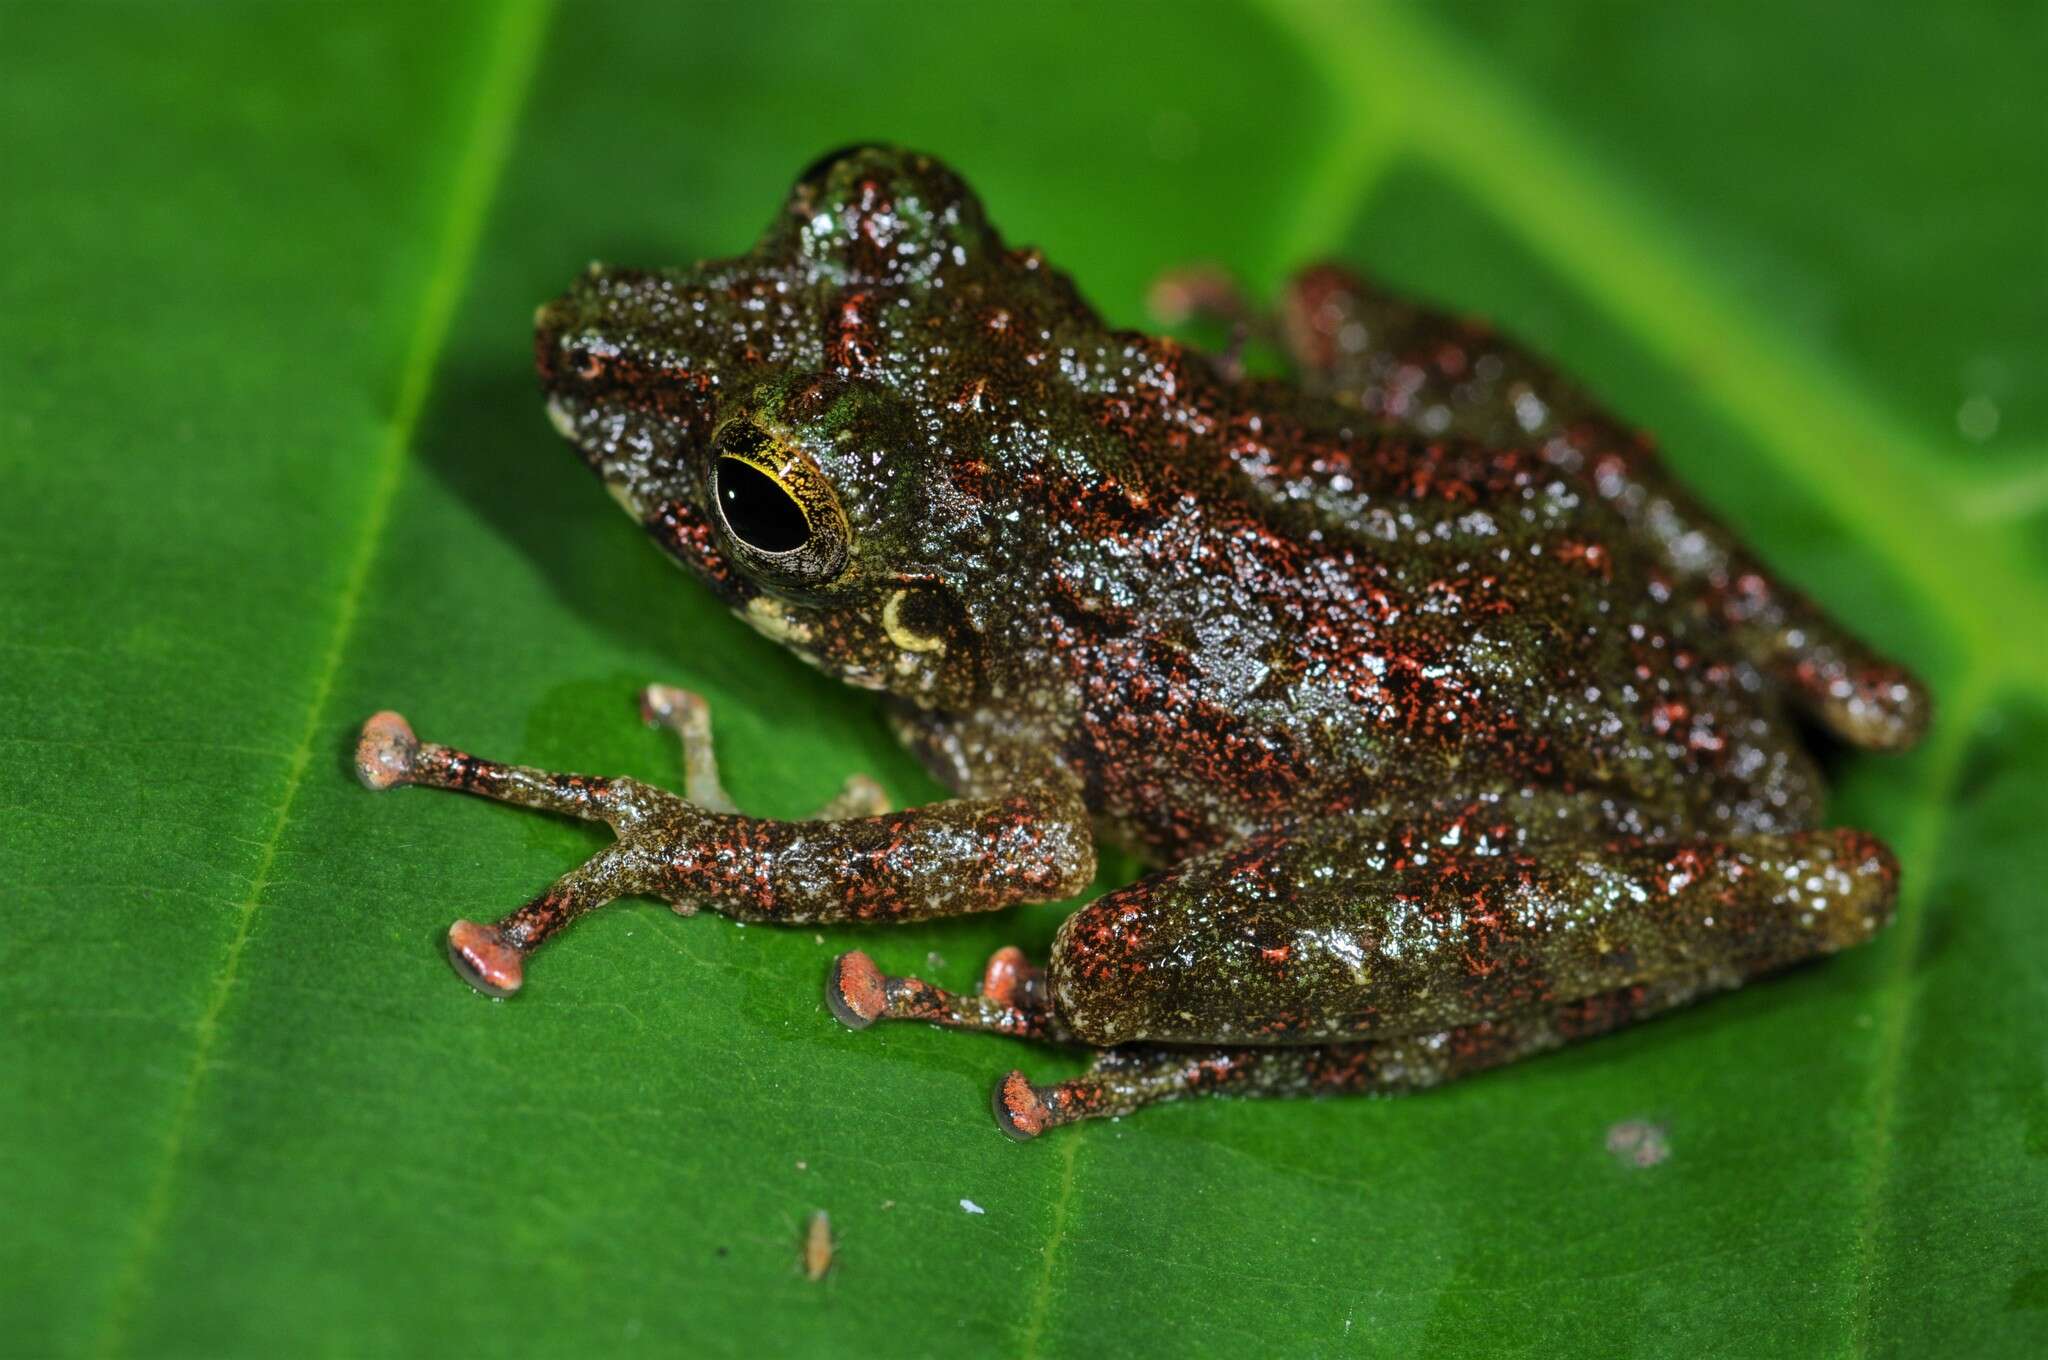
x,y
485,143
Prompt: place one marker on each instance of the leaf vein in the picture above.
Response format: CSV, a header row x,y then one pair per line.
x,y
507,76
1041,1295
1919,845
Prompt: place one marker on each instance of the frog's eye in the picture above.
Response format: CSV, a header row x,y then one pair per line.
x,y
757,509
778,513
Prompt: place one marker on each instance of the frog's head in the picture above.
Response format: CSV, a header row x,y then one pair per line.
x,y
832,530
789,423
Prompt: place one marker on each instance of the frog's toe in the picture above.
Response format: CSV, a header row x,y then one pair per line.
x,y
856,991
1020,1110
485,959
386,751
667,706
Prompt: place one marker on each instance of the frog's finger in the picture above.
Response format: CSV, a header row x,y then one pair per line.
x,y
388,755
859,796
492,958
689,717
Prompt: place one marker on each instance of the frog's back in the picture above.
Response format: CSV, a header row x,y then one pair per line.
x,y
1233,653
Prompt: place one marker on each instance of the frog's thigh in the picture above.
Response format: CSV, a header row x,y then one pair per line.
x,y
1343,930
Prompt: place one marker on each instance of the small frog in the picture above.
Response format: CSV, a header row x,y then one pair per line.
x,y
1452,728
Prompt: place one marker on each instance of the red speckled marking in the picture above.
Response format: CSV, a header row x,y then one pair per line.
x,y
851,348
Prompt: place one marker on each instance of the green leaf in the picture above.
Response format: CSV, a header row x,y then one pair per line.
x,y
271,458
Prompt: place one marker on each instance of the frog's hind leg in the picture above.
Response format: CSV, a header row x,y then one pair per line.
x,y
1387,954
1355,928
1011,998
1436,375
1121,1081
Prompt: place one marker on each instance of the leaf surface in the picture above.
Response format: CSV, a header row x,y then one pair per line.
x,y
272,459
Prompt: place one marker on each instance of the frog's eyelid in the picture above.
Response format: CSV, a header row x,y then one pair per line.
x,y
742,437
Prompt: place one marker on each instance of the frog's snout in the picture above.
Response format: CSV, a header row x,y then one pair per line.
x,y
552,322
550,317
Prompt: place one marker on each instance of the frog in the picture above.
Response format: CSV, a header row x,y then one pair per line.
x,y
1445,727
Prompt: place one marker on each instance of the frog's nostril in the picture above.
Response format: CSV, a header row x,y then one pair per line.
x,y
566,360
580,356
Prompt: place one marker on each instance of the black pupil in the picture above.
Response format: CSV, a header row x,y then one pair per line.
x,y
757,510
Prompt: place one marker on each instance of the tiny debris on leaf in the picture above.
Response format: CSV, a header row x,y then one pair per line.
x,y
1638,1142
818,1246
971,1207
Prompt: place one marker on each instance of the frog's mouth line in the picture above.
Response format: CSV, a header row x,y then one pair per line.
x,y
562,419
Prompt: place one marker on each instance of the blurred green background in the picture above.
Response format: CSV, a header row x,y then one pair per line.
x,y
272,459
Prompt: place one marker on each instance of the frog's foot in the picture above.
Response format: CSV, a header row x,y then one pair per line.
x,y
1012,998
854,861
1121,1081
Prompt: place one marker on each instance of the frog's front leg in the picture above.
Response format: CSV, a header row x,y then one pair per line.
x,y
951,858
